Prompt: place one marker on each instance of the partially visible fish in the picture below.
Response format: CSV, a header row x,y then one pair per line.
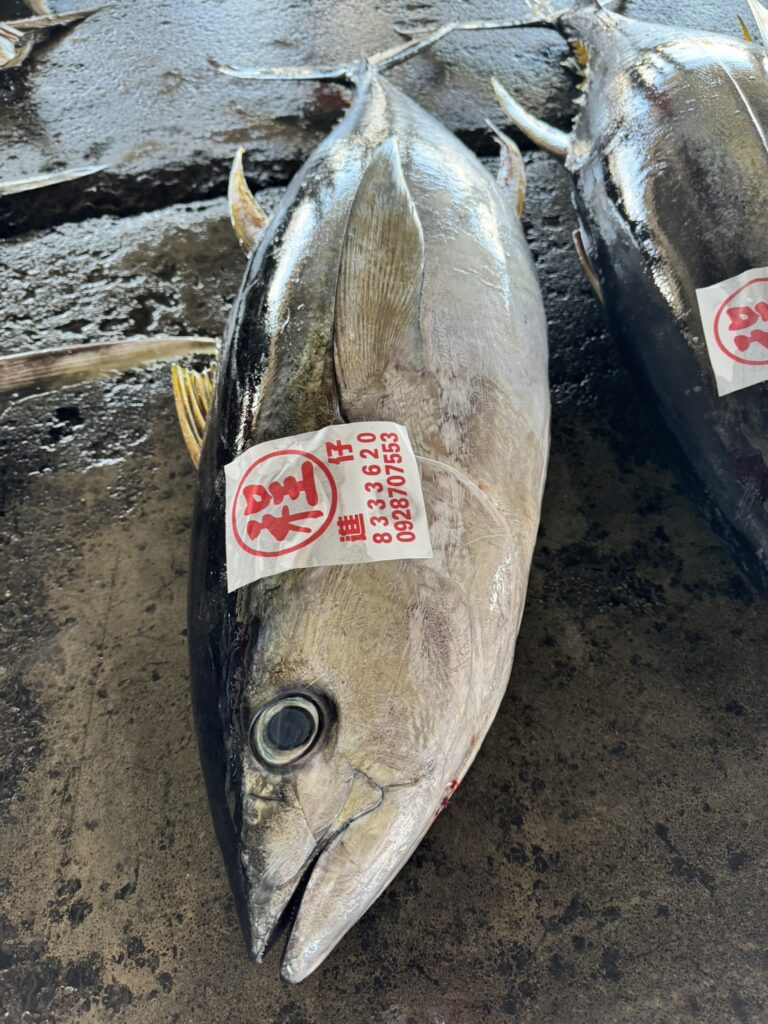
x,y
19,37
669,162
339,707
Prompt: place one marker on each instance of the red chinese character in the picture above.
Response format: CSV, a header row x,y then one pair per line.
x,y
742,317
351,527
758,337
280,526
257,497
337,452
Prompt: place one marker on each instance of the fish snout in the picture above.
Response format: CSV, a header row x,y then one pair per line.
x,y
350,873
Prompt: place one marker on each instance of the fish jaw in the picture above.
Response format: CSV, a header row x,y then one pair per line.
x,y
352,872
275,847
340,874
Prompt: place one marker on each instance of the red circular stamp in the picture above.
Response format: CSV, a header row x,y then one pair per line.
x,y
741,324
284,502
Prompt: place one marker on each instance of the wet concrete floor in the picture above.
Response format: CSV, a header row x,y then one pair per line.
x,y
605,859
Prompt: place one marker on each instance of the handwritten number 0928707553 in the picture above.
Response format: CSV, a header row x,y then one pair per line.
x,y
387,488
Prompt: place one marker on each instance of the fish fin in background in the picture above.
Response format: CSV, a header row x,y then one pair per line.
x,y
544,135
193,393
760,14
14,186
511,174
39,21
30,372
15,46
19,37
340,74
586,263
346,74
745,30
380,277
543,15
248,218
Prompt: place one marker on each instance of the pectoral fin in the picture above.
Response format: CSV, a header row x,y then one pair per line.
x,y
544,135
248,218
14,186
45,370
193,392
380,277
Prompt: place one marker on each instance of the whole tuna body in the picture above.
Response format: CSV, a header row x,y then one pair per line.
x,y
392,283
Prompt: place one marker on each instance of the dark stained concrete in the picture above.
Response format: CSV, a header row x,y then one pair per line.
x,y
130,88
605,860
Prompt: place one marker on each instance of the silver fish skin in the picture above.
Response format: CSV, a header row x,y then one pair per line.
x,y
669,163
404,663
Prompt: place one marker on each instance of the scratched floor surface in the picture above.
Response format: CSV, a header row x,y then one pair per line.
x,y
605,859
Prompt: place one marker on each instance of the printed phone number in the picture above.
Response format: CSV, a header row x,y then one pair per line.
x,y
388,492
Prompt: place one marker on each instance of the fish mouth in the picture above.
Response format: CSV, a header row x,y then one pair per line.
x,y
335,886
269,915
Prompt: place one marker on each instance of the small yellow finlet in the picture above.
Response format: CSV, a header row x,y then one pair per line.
x,y
511,176
581,51
248,218
586,263
193,393
745,30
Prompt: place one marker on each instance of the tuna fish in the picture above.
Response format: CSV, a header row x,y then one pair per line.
x,y
339,707
668,156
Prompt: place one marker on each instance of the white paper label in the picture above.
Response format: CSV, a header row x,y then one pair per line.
x,y
344,494
735,318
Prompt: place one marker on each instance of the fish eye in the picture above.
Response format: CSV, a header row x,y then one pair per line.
x,y
285,730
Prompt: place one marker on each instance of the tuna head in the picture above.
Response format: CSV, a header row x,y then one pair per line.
x,y
355,710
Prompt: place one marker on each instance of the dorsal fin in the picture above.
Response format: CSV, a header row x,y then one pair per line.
x,y
380,277
248,218
193,391
544,135
511,174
